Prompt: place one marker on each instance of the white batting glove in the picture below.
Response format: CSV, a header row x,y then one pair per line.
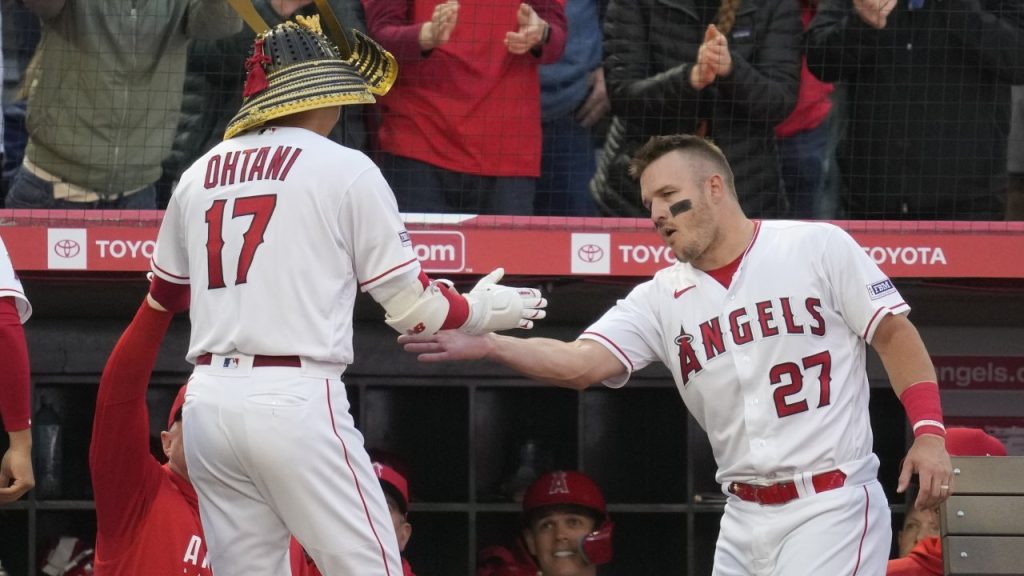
x,y
493,307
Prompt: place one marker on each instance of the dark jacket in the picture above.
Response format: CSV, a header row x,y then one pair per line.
x,y
213,89
650,46
928,103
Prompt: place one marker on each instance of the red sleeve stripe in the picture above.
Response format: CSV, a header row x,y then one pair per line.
x,y
894,309
867,329
618,351
157,268
387,272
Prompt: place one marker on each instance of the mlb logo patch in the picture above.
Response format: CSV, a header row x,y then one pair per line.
x,y
404,237
230,362
881,288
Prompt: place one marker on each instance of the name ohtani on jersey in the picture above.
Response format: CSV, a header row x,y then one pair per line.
x,y
743,325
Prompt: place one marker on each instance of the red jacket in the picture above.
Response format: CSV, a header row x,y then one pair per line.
x,y
925,559
813,102
147,515
468,106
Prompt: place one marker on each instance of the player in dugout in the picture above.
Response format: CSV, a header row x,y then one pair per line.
x,y
147,513
920,547
764,326
566,530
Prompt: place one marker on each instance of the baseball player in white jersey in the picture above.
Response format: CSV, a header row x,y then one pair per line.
x,y
269,235
16,477
763,325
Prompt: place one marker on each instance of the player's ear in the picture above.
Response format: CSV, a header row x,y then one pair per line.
x,y
715,187
165,442
404,533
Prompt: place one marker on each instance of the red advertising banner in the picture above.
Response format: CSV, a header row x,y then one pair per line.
x,y
110,241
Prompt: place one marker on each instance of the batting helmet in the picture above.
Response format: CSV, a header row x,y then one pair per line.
x,y
569,488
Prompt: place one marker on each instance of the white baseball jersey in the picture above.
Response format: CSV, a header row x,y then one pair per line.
x,y
773,368
274,230
11,286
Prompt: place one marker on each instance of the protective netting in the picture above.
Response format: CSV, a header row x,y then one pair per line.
x,y
861,110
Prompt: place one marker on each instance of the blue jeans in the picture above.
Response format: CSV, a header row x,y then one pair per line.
x,y
568,163
806,159
30,191
422,187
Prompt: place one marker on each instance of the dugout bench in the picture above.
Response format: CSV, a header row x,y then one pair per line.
x,y
982,524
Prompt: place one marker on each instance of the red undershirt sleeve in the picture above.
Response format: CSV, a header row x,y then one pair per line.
x,y
125,476
15,409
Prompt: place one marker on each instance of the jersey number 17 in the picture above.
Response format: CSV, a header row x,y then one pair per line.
x,y
261,208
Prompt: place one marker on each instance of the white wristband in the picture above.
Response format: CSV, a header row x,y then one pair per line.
x,y
934,423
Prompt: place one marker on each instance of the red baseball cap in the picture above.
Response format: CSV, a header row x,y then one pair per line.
x,y
972,442
179,401
564,487
390,477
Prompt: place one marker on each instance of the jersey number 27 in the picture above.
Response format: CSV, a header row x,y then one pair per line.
x,y
261,208
793,372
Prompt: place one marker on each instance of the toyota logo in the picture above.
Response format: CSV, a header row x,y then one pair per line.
x,y
590,253
66,248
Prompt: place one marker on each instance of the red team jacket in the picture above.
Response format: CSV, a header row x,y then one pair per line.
x,y
925,559
147,516
469,106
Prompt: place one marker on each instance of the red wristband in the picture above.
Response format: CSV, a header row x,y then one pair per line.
x,y
924,409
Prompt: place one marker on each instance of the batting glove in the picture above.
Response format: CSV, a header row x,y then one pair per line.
x,y
493,307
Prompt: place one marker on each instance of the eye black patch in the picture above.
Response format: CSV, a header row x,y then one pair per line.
x,y
680,207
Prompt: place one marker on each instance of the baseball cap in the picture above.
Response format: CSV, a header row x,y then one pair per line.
x,y
564,487
179,401
972,442
390,478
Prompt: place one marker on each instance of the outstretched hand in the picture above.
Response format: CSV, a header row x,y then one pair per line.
x,y
493,307
928,459
446,346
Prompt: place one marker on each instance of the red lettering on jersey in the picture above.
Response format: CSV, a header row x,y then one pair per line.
x,y
766,319
688,362
212,170
741,332
814,307
227,173
787,314
244,172
256,173
291,161
711,335
277,161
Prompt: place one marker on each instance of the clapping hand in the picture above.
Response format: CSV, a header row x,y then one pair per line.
x,y
713,59
438,30
874,12
530,32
